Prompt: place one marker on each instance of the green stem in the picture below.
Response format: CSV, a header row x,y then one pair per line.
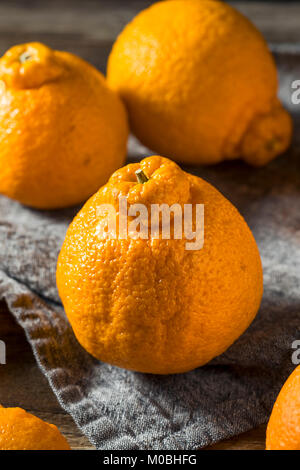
x,y
141,176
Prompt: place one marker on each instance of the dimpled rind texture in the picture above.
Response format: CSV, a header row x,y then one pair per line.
x,y
23,431
151,305
195,76
62,130
283,432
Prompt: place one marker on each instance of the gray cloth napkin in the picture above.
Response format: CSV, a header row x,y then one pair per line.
x,y
118,409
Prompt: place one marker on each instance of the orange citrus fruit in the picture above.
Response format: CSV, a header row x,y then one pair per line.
x,y
23,431
150,304
62,130
283,432
200,84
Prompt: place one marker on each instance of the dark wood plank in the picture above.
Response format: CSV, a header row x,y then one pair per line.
x,y
251,440
279,22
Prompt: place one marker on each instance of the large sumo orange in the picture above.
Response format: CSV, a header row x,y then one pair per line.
x,y
62,130
200,84
151,305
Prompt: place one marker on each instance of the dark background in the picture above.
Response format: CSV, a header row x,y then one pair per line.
x,y
89,27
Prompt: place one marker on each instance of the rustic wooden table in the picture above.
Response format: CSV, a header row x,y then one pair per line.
x,y
88,29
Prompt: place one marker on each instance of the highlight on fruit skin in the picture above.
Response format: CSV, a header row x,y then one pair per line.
x,y
283,431
63,131
149,304
200,84
20,430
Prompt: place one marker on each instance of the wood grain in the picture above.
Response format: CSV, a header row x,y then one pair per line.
x,y
88,29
